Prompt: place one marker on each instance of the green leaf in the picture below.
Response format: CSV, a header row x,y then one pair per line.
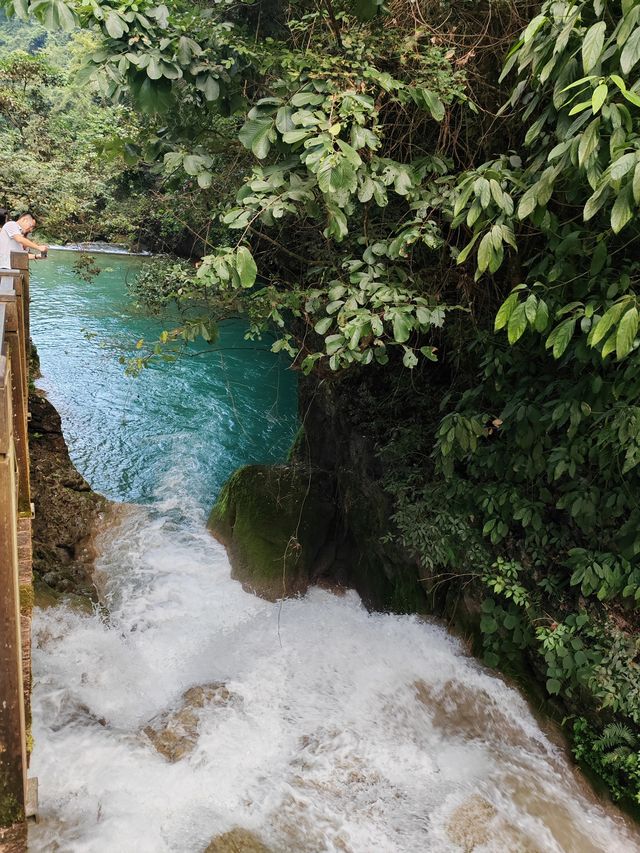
x,y
409,358
193,163
605,323
636,184
466,251
589,143
542,317
209,86
553,686
323,325
599,97
154,69
631,52
596,201
284,120
255,135
432,103
402,326
293,136
592,45
533,27
488,625
622,211
560,337
505,311
621,166
517,323
115,26
246,267
626,333
485,252
429,352
531,308
528,203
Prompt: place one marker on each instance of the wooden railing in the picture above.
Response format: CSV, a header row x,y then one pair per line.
x,y
15,555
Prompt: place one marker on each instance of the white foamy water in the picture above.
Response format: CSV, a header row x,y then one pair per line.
x,y
344,730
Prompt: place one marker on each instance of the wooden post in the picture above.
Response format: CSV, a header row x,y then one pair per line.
x,y
20,261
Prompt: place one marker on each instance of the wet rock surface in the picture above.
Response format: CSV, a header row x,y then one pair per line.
x,y
237,841
67,511
174,733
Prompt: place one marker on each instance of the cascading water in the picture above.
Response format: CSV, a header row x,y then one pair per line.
x,y
314,724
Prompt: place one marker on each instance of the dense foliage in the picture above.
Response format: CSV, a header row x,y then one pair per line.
x,y
390,201
65,151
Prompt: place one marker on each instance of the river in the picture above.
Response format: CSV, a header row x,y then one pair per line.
x,y
318,726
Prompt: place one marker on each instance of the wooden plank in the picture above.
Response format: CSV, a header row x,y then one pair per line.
x,y
20,261
13,753
6,413
9,300
20,425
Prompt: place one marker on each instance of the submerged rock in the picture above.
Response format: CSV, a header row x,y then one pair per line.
x,y
276,523
174,734
470,824
237,841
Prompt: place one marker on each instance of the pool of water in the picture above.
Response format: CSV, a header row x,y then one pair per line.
x,y
214,409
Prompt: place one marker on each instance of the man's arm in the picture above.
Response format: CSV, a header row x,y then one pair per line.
x,y
29,244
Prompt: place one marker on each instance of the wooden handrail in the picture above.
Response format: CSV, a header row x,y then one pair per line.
x,y
3,311
15,552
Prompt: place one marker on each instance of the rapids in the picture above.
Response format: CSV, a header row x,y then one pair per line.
x,y
336,729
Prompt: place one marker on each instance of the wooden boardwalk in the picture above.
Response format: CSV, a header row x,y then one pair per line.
x,y
16,585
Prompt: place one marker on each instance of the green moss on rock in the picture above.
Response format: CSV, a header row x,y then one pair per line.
x,y
274,522
10,809
26,599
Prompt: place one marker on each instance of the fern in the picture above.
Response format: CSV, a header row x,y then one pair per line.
x,y
616,735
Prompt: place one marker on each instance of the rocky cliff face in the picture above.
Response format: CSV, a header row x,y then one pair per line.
x,y
66,509
324,516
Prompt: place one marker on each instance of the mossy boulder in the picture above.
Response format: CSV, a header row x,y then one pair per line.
x,y
276,523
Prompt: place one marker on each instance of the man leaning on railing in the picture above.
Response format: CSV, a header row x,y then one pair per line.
x,y
14,238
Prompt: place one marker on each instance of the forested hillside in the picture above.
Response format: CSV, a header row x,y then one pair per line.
x,y
64,154
435,206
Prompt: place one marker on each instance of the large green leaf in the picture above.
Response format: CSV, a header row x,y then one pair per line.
x,y
626,334
402,326
622,210
592,45
115,26
631,52
506,309
256,135
517,323
246,267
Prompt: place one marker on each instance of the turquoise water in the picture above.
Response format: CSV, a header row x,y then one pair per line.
x,y
199,418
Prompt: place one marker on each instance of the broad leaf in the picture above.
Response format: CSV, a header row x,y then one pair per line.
x,y
246,267
592,45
